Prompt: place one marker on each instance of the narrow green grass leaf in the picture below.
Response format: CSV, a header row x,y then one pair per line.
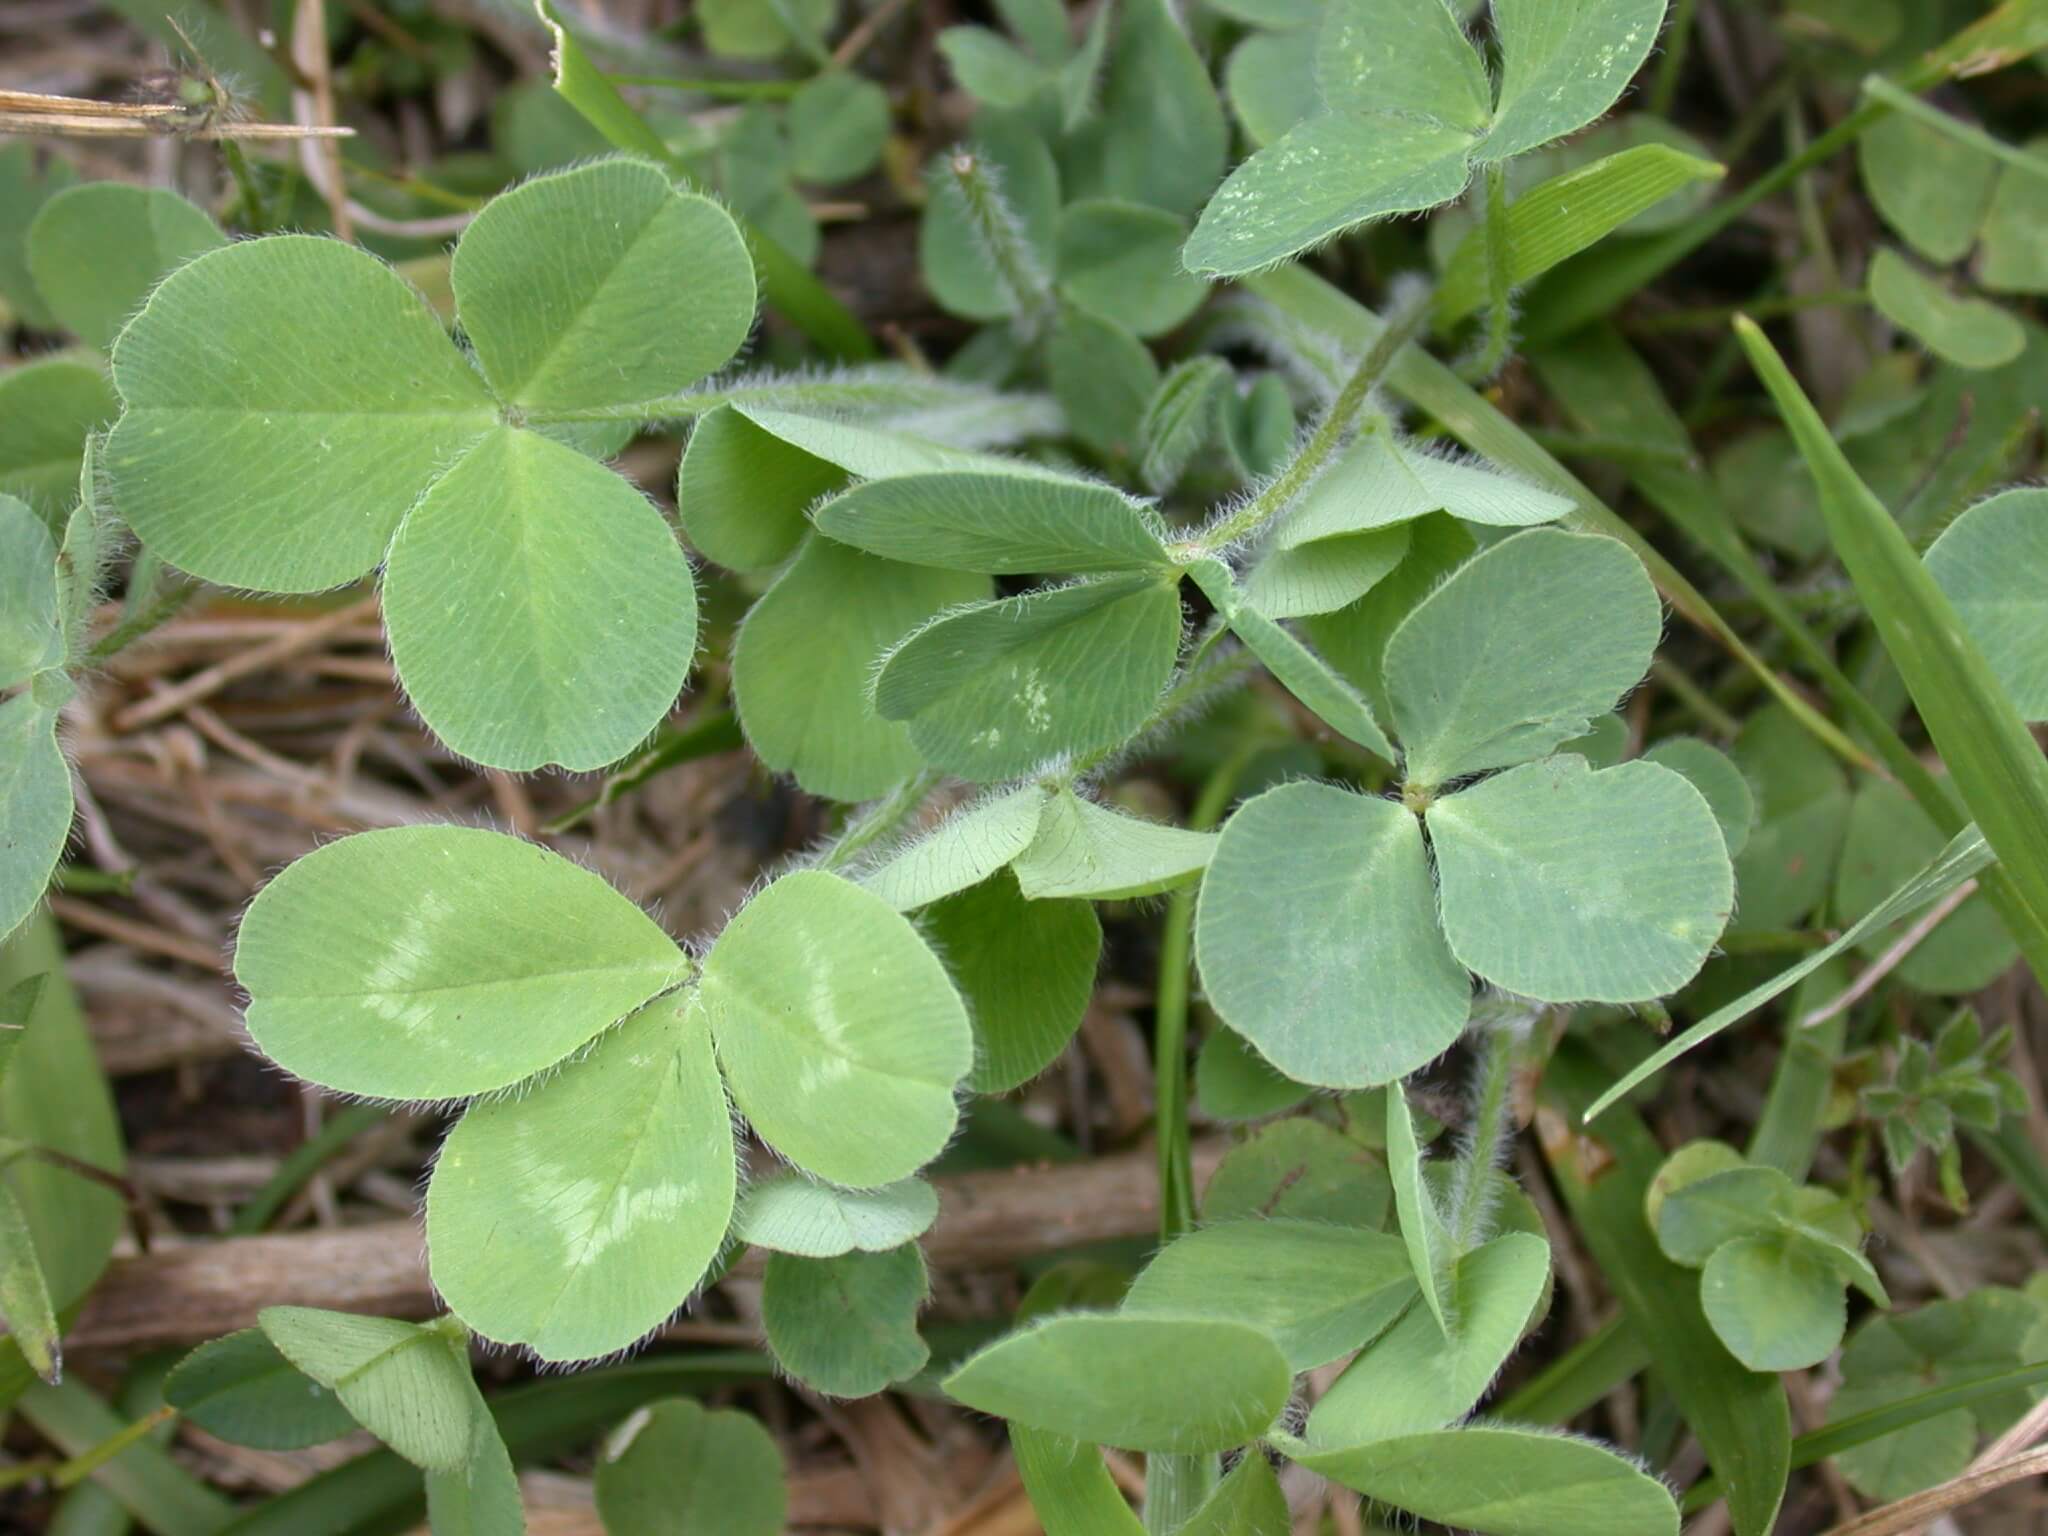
x,y
841,1036
1171,1385
487,957
1997,766
1319,1291
847,1326
1966,854
1564,215
144,1479
576,1244
1505,1482
1889,841
681,1470
1742,1419
1367,992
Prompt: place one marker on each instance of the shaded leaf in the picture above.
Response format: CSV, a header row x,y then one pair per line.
x,y
804,655
48,409
1026,970
1982,561
789,1213
96,250
993,691
242,1389
682,1470
847,1326
1971,333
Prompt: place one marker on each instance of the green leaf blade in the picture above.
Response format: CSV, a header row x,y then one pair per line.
x,y
591,324
841,1036
567,644
440,962
576,1217
1366,993
1163,1385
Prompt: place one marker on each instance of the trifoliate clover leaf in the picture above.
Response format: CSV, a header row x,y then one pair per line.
x,y
295,415
1408,112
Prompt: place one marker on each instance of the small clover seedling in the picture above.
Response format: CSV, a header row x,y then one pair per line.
x,y
294,416
1773,1256
1408,112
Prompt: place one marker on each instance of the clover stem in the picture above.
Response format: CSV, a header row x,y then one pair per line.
x,y
1176,1486
999,234
1329,436
1500,312
1469,1205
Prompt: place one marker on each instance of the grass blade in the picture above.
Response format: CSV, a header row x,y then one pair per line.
x,y
1833,1439
1966,854
1741,1418
155,1489
1995,763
